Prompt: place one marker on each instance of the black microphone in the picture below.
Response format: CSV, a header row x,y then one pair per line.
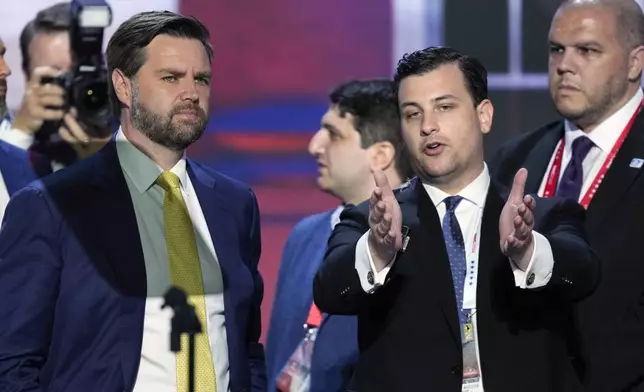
x,y
185,318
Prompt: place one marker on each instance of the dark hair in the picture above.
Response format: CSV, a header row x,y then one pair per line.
x,y
375,109
126,48
54,19
427,60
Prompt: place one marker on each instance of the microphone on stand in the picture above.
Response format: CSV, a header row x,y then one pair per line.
x,y
184,320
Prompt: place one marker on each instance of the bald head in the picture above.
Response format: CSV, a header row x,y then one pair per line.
x,y
628,14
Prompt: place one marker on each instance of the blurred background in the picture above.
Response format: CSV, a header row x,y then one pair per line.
x,y
276,60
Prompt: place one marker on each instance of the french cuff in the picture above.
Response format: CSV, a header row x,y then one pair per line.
x,y
17,138
370,279
539,269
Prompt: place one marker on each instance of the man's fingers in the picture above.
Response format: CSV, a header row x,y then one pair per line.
x,y
49,90
51,114
377,211
75,129
530,202
518,186
40,73
383,228
48,101
526,215
381,182
66,135
521,229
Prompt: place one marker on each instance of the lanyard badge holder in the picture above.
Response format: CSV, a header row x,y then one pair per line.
x,y
472,381
296,374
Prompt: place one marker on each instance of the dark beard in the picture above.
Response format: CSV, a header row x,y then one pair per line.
x,y
161,130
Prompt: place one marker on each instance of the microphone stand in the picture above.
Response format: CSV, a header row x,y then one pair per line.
x,y
184,320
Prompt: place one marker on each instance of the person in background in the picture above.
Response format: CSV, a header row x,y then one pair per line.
x,y
46,53
15,168
594,155
360,132
457,283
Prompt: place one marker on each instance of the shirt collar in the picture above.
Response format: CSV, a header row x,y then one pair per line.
x,y
335,216
475,192
143,171
606,134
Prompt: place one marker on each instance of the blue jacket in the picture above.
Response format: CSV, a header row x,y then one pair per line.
x,y
336,347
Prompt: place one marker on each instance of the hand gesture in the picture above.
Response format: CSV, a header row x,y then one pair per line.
x,y
516,223
75,135
385,222
41,102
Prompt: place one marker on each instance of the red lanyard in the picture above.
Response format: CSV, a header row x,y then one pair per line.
x,y
553,176
315,317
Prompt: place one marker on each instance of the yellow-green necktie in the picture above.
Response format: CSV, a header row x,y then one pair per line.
x,y
185,271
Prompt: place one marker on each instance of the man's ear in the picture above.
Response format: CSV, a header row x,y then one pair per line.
x,y
485,113
382,155
122,87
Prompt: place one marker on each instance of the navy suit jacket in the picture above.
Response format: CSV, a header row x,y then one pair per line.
x,y
15,167
73,282
336,347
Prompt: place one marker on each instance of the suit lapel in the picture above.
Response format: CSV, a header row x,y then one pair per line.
x,y
539,157
492,275
432,255
620,177
218,219
117,235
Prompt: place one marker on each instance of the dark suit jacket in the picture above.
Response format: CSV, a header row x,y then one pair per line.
x,y
336,345
15,167
612,319
408,329
73,280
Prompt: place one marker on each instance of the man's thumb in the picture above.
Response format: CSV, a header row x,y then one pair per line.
x,y
381,181
518,186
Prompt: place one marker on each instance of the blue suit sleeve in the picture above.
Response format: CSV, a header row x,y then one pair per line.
x,y
256,349
30,267
272,348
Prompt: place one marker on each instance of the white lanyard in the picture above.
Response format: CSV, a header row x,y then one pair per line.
x,y
472,260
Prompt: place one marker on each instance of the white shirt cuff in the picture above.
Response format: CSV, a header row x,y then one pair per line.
x,y
370,280
539,269
17,138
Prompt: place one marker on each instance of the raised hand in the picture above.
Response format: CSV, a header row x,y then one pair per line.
x,y
516,223
385,222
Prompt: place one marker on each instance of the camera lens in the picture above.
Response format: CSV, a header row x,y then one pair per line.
x,y
93,97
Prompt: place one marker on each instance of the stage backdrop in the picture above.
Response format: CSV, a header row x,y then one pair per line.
x,y
275,61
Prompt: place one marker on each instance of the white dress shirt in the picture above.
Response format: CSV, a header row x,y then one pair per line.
x,y
157,371
16,137
604,138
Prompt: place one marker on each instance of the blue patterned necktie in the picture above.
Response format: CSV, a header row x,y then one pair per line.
x,y
573,177
455,251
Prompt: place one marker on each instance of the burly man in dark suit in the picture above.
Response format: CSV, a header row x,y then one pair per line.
x,y
596,60
455,284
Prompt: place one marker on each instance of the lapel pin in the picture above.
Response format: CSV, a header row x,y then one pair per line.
x,y
637,163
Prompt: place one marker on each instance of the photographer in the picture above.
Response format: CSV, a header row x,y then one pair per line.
x,y
43,124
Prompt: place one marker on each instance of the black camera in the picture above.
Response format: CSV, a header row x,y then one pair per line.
x,y
86,83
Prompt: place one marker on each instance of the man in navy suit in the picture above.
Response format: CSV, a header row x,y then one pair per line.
x,y
359,132
87,253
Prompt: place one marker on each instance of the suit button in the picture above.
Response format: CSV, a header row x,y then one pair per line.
x,y
457,371
530,278
370,277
